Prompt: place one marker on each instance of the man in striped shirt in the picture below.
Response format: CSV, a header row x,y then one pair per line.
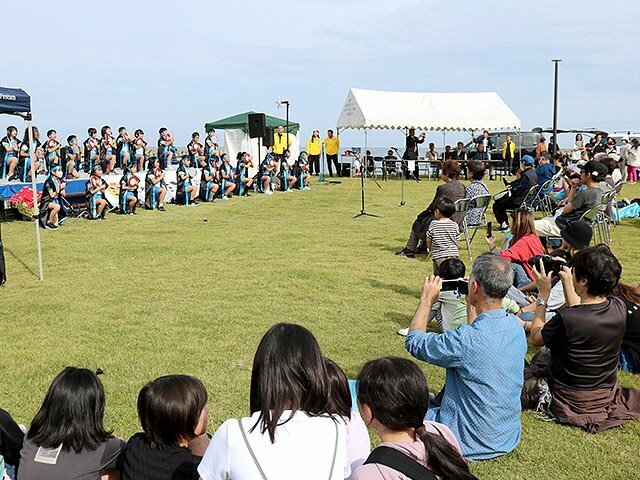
x,y
443,234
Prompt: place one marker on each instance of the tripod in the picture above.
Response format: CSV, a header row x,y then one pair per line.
x,y
363,212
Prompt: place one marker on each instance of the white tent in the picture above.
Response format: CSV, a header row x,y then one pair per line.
x,y
376,109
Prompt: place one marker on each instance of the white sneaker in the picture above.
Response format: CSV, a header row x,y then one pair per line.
x,y
403,331
306,188
269,192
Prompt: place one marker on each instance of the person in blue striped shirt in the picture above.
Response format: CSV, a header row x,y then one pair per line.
x,y
484,359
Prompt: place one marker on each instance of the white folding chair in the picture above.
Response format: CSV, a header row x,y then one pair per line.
x,y
464,205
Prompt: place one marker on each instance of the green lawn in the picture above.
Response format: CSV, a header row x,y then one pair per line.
x,y
192,290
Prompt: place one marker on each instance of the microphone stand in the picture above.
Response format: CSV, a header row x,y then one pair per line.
x,y
363,212
402,165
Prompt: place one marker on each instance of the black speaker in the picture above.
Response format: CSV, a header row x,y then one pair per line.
x,y
257,126
267,141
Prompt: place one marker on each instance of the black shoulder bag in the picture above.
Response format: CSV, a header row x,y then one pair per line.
x,y
395,459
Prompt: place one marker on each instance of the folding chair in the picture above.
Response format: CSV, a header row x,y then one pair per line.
x,y
543,200
464,205
601,220
590,216
530,198
618,188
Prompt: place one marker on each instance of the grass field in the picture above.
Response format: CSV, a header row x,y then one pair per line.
x,y
192,290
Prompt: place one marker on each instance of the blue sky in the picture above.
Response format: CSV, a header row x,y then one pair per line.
x,y
182,63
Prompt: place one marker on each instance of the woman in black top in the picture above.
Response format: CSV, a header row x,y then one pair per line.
x,y
173,412
584,340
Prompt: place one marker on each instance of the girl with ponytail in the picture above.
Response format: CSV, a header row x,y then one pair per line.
x,y
393,398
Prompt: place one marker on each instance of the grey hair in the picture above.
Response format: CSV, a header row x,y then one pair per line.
x,y
494,274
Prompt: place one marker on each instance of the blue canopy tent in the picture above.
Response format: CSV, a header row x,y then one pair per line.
x,y
15,101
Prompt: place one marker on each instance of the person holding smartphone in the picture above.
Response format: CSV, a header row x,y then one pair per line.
x,y
481,399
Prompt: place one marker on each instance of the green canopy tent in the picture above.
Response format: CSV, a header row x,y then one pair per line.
x,y
236,134
241,122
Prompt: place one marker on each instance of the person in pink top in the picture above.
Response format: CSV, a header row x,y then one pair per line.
x,y
523,245
340,402
393,398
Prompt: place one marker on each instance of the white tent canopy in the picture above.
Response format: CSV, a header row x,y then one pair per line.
x,y
376,109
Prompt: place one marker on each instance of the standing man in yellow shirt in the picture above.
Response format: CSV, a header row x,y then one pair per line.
x,y
314,150
280,142
331,147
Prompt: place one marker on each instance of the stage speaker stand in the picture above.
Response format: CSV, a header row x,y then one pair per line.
x,y
267,140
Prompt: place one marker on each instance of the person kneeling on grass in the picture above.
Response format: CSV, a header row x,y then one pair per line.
x,y
173,413
393,398
480,402
583,341
443,233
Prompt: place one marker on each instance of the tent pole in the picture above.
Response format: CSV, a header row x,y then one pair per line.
x,y
519,149
36,206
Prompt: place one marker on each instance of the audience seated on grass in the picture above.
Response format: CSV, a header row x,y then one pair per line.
x,y
67,438
292,432
523,244
173,413
11,438
393,398
583,341
340,401
630,350
574,238
450,311
480,401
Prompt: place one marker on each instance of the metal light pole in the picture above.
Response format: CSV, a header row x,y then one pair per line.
x,y
555,61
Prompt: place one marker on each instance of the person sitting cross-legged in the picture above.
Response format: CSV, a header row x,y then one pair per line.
x,y
480,402
579,365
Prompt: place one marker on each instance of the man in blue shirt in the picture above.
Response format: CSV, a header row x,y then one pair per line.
x,y
545,172
484,360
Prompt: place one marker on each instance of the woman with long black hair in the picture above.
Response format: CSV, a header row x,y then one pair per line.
x,y
393,398
292,433
67,438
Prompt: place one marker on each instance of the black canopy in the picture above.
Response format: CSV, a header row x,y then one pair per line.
x,y
14,101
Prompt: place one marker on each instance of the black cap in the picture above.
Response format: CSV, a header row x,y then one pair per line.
x,y
597,169
578,234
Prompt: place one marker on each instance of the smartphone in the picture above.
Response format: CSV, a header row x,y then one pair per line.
x,y
460,284
489,233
